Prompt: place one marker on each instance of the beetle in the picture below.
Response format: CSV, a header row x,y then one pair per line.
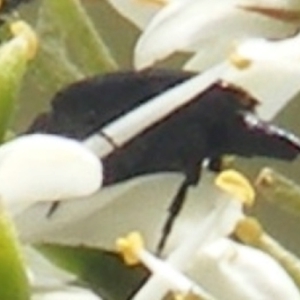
x,y
221,120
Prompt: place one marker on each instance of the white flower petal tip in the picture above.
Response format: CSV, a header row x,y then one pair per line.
x,y
237,185
257,65
222,23
130,248
259,50
41,167
25,32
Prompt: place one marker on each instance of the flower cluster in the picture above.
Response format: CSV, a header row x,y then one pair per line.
x,y
249,44
220,267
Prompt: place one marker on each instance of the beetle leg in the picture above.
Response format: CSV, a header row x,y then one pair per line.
x,y
192,177
52,209
174,209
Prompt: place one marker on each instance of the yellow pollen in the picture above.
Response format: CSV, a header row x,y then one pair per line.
x,y
129,247
236,184
239,62
22,29
249,230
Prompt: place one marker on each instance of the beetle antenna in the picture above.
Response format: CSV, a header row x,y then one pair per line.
x,y
174,209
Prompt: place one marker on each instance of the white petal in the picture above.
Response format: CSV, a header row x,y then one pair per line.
x,y
187,25
45,167
67,293
175,280
230,271
273,73
139,204
208,55
219,222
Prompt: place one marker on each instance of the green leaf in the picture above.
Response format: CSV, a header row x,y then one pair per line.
x,y
68,23
13,279
103,271
71,48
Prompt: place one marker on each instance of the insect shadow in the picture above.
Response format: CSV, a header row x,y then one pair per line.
x,y
219,121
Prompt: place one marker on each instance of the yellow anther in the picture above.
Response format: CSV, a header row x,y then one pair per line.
x,y
239,62
236,184
249,230
130,247
22,29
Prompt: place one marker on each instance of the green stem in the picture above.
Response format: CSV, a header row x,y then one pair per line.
x,y
13,63
13,279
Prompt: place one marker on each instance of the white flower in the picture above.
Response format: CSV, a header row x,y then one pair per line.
x,y
221,268
267,70
214,30
42,167
219,222
229,270
209,28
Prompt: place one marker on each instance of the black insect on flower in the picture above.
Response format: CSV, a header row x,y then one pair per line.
x,y
219,121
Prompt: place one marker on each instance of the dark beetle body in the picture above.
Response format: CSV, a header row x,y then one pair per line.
x,y
209,126
219,121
